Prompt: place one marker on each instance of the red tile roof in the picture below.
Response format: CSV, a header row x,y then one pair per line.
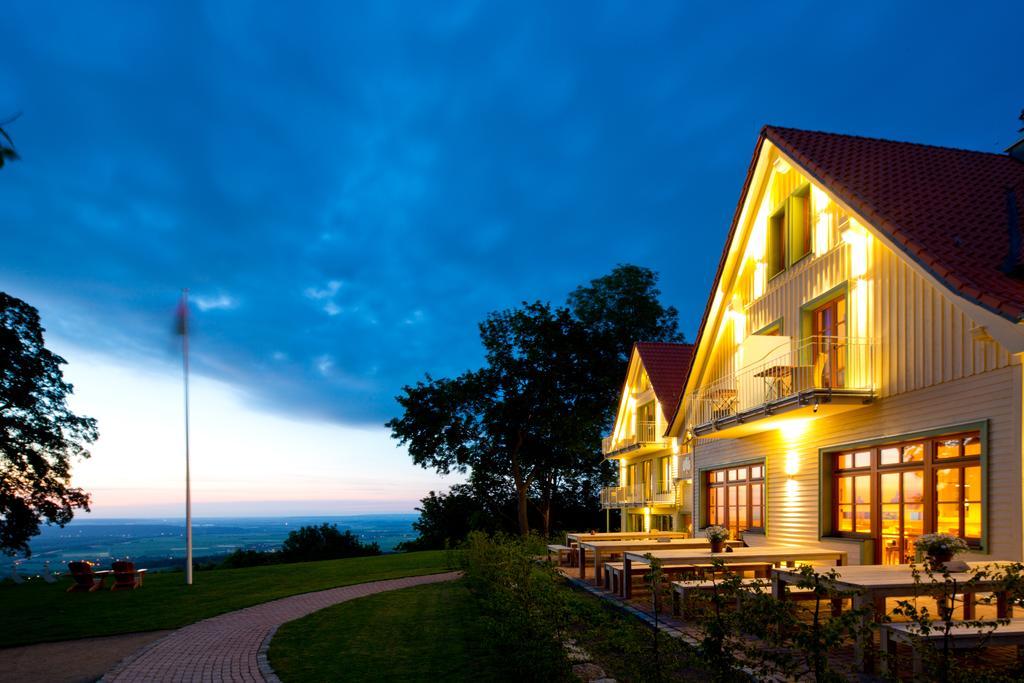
x,y
945,208
667,365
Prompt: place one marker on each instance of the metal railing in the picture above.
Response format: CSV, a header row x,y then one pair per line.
x,y
637,495
810,367
646,432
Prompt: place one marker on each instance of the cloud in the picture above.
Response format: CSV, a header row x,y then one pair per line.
x,y
327,174
215,303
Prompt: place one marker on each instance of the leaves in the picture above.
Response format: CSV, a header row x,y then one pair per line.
x,y
39,434
7,151
530,421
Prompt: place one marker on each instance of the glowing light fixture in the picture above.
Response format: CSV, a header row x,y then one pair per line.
x,y
857,238
792,464
781,165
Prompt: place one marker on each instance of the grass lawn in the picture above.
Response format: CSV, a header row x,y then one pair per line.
x,y
425,633
37,611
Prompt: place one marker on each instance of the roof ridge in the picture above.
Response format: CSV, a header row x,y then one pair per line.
x,y
782,129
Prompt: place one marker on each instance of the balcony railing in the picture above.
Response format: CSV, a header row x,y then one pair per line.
x,y
815,369
646,434
637,495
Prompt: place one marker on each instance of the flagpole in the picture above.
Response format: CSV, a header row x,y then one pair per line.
x,y
188,481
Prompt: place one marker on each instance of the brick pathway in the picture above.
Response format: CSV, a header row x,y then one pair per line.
x,y
232,646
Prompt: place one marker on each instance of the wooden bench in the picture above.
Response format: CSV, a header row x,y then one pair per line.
x,y
564,553
681,590
614,572
961,636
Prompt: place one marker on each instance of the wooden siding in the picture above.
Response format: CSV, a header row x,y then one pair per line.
x,y
793,503
920,336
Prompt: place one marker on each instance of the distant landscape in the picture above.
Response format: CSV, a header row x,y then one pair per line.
x,y
160,543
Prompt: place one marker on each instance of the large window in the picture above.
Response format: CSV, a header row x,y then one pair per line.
x,y
661,522
895,492
735,497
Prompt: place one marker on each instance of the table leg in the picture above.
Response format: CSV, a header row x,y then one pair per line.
x,y
583,563
969,602
597,566
778,587
1004,610
862,654
627,577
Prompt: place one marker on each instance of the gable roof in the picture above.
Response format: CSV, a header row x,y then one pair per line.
x,y
947,209
667,365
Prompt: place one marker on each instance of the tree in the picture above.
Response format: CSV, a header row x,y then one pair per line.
x,y
40,436
324,542
7,152
530,421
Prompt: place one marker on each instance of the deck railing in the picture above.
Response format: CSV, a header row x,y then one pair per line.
x,y
637,495
646,433
801,370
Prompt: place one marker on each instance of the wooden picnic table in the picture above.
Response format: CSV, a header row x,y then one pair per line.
x,y
603,548
872,584
774,554
577,536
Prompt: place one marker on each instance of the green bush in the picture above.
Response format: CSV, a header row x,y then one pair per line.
x,y
324,542
523,605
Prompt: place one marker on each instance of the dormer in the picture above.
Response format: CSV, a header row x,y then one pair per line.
x,y
654,380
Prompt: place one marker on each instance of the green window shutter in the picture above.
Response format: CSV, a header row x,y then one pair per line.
x,y
799,228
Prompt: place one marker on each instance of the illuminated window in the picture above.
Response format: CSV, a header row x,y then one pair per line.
x,y
661,522
883,492
665,474
735,497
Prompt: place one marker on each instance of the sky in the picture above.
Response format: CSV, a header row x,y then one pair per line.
x,y
348,188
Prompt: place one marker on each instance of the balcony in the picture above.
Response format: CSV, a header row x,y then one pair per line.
x,y
645,439
815,377
637,495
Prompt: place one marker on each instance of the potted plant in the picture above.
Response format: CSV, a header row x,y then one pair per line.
x,y
940,548
717,535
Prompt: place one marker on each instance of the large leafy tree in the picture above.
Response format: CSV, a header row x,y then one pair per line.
x,y
530,421
40,436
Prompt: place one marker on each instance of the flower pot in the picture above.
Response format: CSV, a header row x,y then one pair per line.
x,y
717,545
937,561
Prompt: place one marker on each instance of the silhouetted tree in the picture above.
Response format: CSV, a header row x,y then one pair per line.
x,y
530,421
7,151
39,434
324,542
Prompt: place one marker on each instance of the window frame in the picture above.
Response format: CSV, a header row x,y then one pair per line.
x,y
665,477
929,465
706,486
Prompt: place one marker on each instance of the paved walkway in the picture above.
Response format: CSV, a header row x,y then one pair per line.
x,y
232,646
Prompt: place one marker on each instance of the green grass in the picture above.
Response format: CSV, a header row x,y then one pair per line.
x,y
38,612
426,633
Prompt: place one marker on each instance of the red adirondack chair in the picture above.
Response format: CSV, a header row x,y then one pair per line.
x,y
85,579
126,576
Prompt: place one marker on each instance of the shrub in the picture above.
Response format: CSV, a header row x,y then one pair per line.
x,y
324,542
524,607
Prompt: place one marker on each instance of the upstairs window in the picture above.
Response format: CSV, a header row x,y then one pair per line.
x,y
790,232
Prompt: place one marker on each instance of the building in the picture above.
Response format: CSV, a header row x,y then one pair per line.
x,y
856,380
653,474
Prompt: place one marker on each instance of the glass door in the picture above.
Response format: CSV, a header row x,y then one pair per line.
x,y
902,514
828,330
648,482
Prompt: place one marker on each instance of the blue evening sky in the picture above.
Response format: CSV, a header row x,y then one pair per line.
x,y
347,188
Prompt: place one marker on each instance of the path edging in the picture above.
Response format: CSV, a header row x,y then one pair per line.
x,y
264,662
